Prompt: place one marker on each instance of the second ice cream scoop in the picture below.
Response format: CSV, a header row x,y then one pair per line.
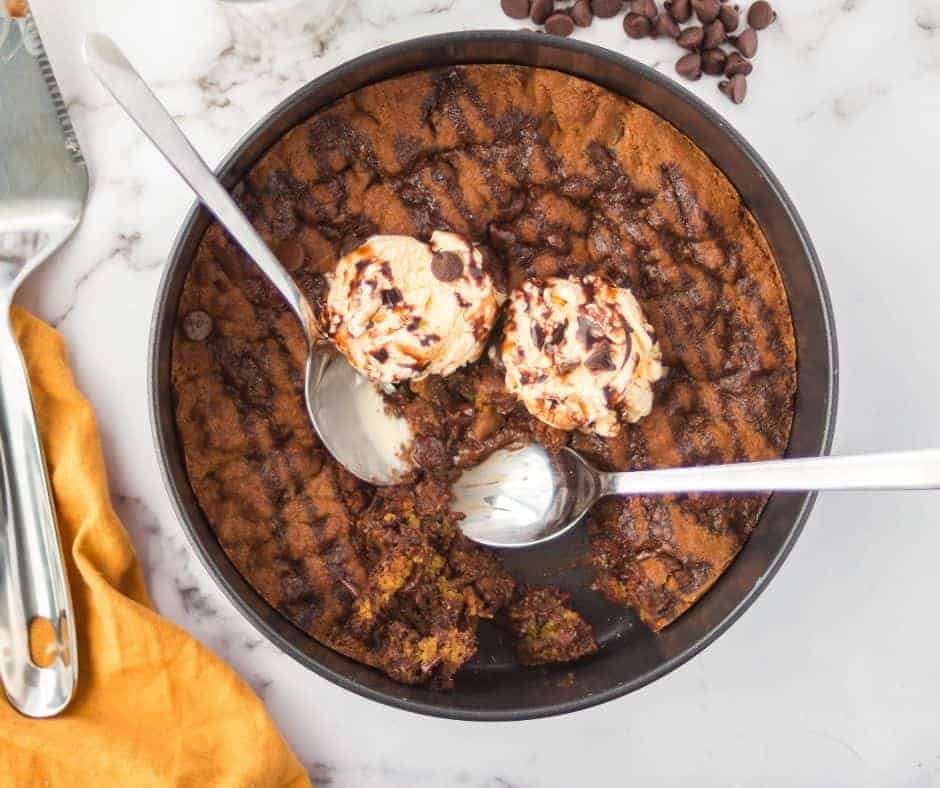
x,y
579,354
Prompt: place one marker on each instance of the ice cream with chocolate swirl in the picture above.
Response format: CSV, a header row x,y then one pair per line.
x,y
401,309
580,355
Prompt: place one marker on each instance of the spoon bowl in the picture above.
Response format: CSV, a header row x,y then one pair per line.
x,y
523,496
352,422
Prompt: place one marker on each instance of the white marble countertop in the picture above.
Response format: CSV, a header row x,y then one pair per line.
x,y
833,677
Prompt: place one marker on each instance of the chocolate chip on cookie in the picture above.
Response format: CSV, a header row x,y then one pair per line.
x,y
197,325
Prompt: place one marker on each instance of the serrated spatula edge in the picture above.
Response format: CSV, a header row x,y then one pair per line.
x,y
33,42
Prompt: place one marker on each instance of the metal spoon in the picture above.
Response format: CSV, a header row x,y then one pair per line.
x,y
521,497
346,410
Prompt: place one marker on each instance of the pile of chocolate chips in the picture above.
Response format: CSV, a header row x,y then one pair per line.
x,y
714,45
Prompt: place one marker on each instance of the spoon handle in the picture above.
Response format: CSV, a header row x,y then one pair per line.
x,y
906,470
115,72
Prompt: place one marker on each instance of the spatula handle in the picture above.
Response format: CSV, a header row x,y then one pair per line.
x,y
33,581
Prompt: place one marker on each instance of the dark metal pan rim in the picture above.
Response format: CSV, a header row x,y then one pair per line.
x,y
524,48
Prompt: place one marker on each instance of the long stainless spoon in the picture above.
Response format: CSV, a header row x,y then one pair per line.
x,y
521,497
346,410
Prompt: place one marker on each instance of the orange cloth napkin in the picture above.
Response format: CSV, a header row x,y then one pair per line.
x,y
154,707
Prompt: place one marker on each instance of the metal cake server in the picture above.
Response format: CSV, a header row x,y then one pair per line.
x,y
525,496
43,186
345,409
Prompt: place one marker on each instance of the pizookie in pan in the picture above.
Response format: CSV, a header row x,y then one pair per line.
x,y
548,177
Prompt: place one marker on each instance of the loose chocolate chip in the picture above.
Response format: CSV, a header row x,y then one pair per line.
x,y
581,13
606,8
559,25
429,452
729,17
706,10
737,65
380,355
714,34
446,266
637,25
735,88
747,42
666,27
691,38
690,66
645,8
679,10
542,10
713,61
761,15
197,325
600,358
392,296
516,9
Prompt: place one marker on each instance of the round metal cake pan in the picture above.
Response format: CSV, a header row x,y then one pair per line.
x,y
492,687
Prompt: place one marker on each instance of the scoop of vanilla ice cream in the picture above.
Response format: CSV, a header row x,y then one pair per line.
x,y
401,309
579,354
